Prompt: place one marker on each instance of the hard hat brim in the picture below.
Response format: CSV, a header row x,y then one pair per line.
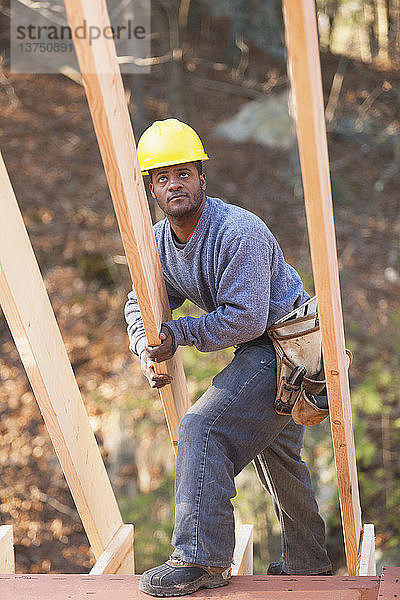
x,y
173,162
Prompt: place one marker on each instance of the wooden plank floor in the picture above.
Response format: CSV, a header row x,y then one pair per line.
x,y
254,587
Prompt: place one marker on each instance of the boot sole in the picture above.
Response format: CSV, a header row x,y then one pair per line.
x,y
183,589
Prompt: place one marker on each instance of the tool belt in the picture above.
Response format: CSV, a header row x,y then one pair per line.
x,y
300,369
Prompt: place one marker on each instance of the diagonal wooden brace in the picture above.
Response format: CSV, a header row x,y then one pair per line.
x,y
29,314
7,561
305,75
118,554
106,99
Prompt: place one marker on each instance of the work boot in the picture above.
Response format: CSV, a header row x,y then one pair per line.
x,y
276,568
178,578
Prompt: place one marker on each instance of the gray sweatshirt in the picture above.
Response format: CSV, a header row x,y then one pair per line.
x,y
233,268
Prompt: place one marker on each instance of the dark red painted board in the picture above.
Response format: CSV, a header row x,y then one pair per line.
x,y
390,584
125,587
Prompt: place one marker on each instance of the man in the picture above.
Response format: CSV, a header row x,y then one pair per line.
x,y
225,260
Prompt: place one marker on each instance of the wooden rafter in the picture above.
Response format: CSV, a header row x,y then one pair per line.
x,y
7,562
105,95
27,308
305,76
117,557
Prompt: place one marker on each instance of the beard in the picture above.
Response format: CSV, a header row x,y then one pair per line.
x,y
185,207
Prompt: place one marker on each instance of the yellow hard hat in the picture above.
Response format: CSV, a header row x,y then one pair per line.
x,y
167,143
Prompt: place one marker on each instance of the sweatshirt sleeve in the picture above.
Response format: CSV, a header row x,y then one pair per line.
x,y
136,332
243,293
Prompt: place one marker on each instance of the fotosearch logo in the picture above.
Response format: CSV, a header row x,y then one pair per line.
x,y
83,32
42,40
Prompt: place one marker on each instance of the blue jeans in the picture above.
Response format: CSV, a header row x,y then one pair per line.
x,y
233,423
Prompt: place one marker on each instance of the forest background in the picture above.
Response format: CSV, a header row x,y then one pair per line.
x,y
220,67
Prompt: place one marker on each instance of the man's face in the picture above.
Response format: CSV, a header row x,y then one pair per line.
x,y
178,189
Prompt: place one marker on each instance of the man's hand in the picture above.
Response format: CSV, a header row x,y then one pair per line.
x,y
165,350
156,380
153,354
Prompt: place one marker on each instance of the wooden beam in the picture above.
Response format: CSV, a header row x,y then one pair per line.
x,y
7,563
305,76
242,563
105,95
258,587
367,563
30,317
118,555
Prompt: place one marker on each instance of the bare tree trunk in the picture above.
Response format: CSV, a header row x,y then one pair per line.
x,y
370,21
331,11
137,107
178,90
394,32
364,35
183,15
382,11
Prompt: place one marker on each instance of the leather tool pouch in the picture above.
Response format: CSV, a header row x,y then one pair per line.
x,y
297,342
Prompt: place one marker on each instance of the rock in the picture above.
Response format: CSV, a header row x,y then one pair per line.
x,y
265,121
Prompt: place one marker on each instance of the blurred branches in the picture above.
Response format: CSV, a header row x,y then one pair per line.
x,y
370,30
